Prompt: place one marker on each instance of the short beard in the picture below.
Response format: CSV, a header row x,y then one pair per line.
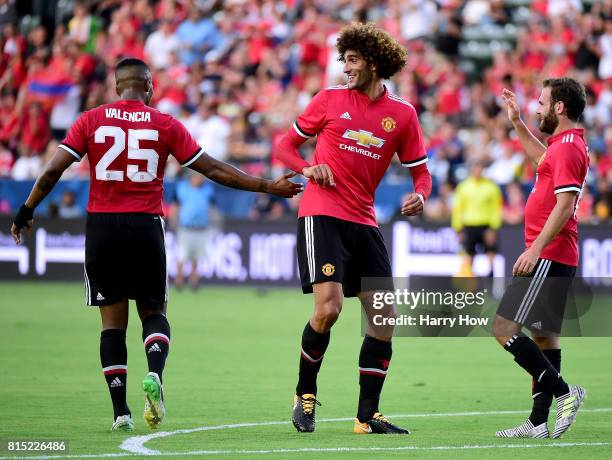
x,y
549,123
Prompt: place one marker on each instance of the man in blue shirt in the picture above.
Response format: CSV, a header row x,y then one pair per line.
x,y
194,198
197,36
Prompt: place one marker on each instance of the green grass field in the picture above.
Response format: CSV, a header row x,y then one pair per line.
x,y
233,360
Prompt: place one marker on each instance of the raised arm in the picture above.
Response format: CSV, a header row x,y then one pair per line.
x,y
533,147
44,184
226,174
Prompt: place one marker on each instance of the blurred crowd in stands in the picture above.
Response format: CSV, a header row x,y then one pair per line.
x,y
238,72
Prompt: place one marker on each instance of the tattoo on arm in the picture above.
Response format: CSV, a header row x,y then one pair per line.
x,y
228,175
232,177
44,183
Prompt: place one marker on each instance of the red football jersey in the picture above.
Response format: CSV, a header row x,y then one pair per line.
x,y
357,138
563,169
128,144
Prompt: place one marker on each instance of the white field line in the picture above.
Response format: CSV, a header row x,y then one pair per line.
x,y
135,444
323,449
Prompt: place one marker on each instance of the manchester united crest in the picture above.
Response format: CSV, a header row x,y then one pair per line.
x,y
388,124
328,269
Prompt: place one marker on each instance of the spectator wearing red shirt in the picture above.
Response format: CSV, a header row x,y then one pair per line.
x,y
9,120
269,57
14,74
13,42
258,42
35,132
171,10
449,97
307,36
513,211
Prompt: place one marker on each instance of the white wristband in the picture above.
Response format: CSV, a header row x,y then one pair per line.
x,y
422,199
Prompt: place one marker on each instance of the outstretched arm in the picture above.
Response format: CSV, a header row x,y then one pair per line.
x,y
226,174
310,123
533,147
44,184
286,151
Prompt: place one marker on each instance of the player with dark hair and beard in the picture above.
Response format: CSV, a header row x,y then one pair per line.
x,y
538,292
127,144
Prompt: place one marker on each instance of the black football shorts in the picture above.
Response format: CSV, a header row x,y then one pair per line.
x,y
125,257
538,301
474,237
332,249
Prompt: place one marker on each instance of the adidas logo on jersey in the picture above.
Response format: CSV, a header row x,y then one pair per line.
x,y
537,325
100,297
154,347
346,116
116,383
567,138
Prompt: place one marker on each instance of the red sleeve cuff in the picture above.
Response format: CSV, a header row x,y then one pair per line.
x,y
422,180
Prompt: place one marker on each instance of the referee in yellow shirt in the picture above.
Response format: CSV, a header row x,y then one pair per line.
x,y
477,214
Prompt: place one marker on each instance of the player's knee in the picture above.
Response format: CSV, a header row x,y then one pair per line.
x,y
114,316
326,314
144,311
327,318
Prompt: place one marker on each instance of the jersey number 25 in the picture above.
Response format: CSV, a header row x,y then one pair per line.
x,y
134,152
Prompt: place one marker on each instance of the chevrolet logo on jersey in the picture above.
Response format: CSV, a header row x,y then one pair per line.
x,y
363,138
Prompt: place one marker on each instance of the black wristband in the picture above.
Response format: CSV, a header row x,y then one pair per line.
x,y
24,215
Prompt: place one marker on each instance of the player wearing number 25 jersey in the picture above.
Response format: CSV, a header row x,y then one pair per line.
x,y
128,144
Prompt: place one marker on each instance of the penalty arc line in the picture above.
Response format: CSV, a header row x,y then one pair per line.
x,y
135,444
